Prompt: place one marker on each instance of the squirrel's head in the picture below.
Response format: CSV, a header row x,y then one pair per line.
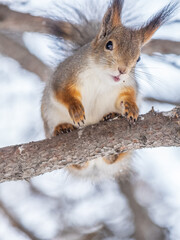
x,y
116,47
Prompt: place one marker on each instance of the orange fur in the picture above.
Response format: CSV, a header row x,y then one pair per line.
x,y
115,158
70,96
148,35
127,99
78,166
116,18
128,93
63,128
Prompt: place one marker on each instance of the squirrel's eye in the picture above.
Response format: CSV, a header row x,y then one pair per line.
x,y
109,45
139,59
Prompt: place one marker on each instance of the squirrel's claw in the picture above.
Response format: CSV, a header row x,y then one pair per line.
x,y
63,128
110,116
76,111
131,111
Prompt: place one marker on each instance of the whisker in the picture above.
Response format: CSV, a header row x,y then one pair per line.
x,y
151,80
149,75
150,67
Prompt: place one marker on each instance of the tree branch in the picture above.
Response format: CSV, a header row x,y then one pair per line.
x,y
104,139
16,223
162,46
28,61
145,228
153,100
23,22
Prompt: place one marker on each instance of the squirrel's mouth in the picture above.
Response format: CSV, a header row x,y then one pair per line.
x,y
116,78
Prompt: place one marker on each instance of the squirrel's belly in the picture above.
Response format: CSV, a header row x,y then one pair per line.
x,y
98,105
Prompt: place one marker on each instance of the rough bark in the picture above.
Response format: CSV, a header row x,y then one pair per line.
x,y
28,61
104,139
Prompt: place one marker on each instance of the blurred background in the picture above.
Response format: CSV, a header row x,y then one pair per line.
x,y
145,205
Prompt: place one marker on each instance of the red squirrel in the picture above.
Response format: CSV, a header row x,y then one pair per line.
x,y
98,78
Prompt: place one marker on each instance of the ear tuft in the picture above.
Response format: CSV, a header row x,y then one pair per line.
x,y
111,19
158,20
117,6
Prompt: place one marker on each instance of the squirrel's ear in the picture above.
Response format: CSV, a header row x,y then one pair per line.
x,y
111,19
155,22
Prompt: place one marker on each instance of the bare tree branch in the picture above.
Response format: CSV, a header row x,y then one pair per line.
x,y
162,46
104,139
16,223
145,228
38,192
28,61
163,101
173,22
23,22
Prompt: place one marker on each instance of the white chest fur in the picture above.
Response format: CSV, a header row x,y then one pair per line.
x,y
99,93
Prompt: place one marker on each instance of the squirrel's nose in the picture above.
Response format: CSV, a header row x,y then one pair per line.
x,y
122,70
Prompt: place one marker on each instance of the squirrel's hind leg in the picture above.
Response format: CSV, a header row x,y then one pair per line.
x,y
110,116
63,128
112,159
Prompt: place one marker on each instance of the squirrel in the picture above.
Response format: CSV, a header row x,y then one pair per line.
x,y
98,78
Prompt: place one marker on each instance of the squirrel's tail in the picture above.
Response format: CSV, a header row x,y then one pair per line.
x,y
78,34
80,29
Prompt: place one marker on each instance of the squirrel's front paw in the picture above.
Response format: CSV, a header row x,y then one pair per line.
x,y
130,110
76,111
63,128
